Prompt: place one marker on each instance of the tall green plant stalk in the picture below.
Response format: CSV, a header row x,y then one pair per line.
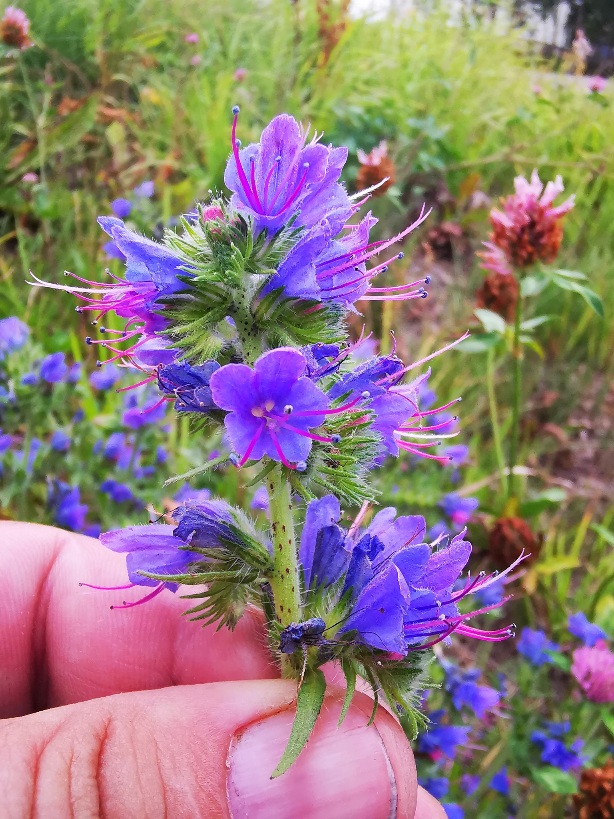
x,y
517,399
285,581
494,416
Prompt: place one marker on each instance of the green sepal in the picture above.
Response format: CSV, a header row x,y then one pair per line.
x,y
308,706
349,671
199,470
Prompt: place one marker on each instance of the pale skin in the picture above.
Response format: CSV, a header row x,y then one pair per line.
x,y
141,713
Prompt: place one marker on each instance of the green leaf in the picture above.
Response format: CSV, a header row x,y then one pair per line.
x,y
545,500
560,661
557,564
491,322
589,296
555,780
308,707
532,285
607,717
570,274
530,324
349,671
603,532
479,343
196,471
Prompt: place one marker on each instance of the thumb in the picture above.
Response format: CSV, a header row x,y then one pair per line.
x,y
203,751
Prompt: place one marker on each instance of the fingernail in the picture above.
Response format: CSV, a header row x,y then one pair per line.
x,y
342,772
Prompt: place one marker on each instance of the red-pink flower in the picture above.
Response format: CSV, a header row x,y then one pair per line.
x,y
528,229
593,668
14,28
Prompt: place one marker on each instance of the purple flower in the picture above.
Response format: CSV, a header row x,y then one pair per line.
x,y
29,379
465,690
283,177
579,625
458,509
398,592
470,783
189,385
143,408
192,37
260,500
442,737
121,208
500,782
145,190
196,496
74,373
271,408
68,511
534,645
556,753
105,377
437,786
492,595
13,335
53,368
118,492
60,441
453,811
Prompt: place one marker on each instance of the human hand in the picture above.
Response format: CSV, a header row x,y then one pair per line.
x,y
141,713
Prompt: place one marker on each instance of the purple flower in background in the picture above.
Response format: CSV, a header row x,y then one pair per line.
x,y
13,335
442,737
145,190
54,368
260,500
121,208
283,176
29,380
458,509
465,690
500,782
68,511
492,595
143,408
453,811
60,441
118,492
74,373
470,783
192,37
196,496
105,377
593,668
271,408
437,786
556,753
579,625
534,645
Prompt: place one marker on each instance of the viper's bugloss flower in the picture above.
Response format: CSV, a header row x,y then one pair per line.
x,y
121,208
470,783
117,491
398,590
65,503
284,176
145,190
54,368
13,335
501,782
534,645
442,737
593,668
555,752
458,509
60,441
528,228
271,408
105,377
580,626
465,691
143,408
189,385
453,811
437,786
15,28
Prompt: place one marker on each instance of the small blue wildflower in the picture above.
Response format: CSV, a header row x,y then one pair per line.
x,y
500,782
442,737
145,190
206,524
271,408
54,368
29,379
60,441
534,645
491,595
437,786
114,445
260,499
13,335
161,455
5,442
555,752
105,377
143,409
458,509
65,501
579,625
195,496
453,811
465,690
438,531
121,208
118,492
457,456
34,448
470,783
74,373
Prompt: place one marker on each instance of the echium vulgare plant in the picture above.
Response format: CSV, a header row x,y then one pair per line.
x,y
238,318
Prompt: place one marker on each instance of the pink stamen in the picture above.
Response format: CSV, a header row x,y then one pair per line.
x,y
358,519
240,170
138,384
252,444
145,599
267,181
280,452
427,358
295,193
393,289
253,180
417,294
109,588
324,439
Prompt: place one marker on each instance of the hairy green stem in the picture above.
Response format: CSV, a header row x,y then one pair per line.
x,y
285,578
517,355
494,415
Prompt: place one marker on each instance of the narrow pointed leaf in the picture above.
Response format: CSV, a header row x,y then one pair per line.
x,y
349,671
308,706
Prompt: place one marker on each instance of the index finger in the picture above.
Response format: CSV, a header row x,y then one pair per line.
x,y
61,643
